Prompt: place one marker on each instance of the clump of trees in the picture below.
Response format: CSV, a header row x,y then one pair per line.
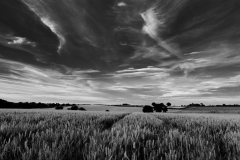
x,y
82,109
196,105
147,109
75,107
26,105
157,107
203,105
60,107
160,107
34,105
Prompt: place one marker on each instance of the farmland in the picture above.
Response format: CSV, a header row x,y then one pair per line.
x,y
226,109
110,108
103,108
98,135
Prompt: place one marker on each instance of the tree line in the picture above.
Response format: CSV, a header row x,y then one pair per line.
x,y
157,107
28,105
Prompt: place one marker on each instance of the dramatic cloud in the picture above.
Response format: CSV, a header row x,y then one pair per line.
x,y
54,29
152,23
107,51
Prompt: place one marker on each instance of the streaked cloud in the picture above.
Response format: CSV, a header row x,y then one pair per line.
x,y
149,72
85,71
23,79
55,30
120,51
38,8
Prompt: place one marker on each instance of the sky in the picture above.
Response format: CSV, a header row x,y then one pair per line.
x,y
120,51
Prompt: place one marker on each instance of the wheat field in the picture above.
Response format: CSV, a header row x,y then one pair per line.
x,y
117,136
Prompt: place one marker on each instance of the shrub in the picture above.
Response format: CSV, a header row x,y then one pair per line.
x,y
82,109
74,107
59,107
147,109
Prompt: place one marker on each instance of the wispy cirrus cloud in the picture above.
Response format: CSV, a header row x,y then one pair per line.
x,y
55,29
149,72
133,51
40,8
155,25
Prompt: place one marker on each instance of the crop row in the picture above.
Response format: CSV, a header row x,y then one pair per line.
x,y
89,136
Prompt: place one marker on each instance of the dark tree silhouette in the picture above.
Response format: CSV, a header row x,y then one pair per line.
x,y
153,104
158,107
147,109
169,104
59,107
74,107
165,109
202,105
32,105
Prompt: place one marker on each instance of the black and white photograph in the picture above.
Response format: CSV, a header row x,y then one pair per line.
x,y
119,79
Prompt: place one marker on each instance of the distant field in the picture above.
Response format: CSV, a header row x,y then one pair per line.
x,y
139,109
74,135
111,108
97,108
103,108
211,110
